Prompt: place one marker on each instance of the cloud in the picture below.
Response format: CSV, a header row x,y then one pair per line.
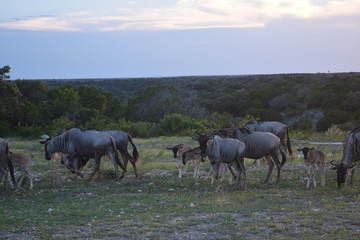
x,y
190,14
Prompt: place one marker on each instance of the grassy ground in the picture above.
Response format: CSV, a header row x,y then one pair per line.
x,y
160,206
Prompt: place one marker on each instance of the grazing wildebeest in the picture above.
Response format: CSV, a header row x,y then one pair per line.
x,y
277,128
178,150
351,154
258,145
226,150
314,159
78,144
22,161
5,163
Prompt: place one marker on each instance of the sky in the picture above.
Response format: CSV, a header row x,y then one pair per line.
x,y
61,39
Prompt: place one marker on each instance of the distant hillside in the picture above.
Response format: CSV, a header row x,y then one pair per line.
x,y
301,100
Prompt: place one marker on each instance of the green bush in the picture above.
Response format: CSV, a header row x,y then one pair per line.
x,y
333,117
172,124
143,130
4,128
30,131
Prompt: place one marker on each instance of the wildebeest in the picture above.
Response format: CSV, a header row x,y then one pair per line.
x,y
277,128
5,163
351,154
314,159
226,150
258,145
80,144
192,156
178,151
22,161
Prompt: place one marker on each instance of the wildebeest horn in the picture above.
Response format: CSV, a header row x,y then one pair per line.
x,y
211,132
196,136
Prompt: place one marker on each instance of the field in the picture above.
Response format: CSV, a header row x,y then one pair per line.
x,y
158,205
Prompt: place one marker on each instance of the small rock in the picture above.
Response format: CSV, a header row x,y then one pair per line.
x,y
192,205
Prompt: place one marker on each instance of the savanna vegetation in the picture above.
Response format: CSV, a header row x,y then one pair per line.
x,y
150,107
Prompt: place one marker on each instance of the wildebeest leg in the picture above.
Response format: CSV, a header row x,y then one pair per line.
x,y
73,166
352,171
112,159
97,166
216,166
179,166
231,171
313,174
28,173
210,174
271,166
22,177
308,177
275,157
197,168
243,171
322,172
125,163
127,157
186,167
3,173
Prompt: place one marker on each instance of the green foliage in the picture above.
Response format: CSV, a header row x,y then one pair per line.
x,y
333,117
10,104
5,128
60,124
143,130
265,114
177,106
30,131
4,72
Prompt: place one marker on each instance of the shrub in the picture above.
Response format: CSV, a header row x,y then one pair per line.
x,y
143,130
4,128
333,117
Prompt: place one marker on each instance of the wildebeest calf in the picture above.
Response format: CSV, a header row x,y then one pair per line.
x,y
192,156
314,159
178,151
195,157
22,161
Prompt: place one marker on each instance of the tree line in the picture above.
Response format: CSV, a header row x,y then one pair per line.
x,y
175,106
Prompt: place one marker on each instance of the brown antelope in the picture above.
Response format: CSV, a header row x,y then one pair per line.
x,y
22,161
314,160
178,151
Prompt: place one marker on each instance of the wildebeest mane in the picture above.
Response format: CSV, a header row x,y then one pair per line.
x,y
244,131
253,122
356,130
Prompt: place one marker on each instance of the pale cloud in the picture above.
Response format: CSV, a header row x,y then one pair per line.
x,y
191,14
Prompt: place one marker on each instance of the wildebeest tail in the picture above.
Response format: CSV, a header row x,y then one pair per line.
x,y
117,159
135,151
10,165
288,143
283,157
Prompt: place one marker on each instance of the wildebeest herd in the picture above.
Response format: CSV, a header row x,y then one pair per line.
x,y
223,148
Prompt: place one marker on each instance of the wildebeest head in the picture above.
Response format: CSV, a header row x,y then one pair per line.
x,y
305,151
46,142
175,149
203,140
50,152
342,172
